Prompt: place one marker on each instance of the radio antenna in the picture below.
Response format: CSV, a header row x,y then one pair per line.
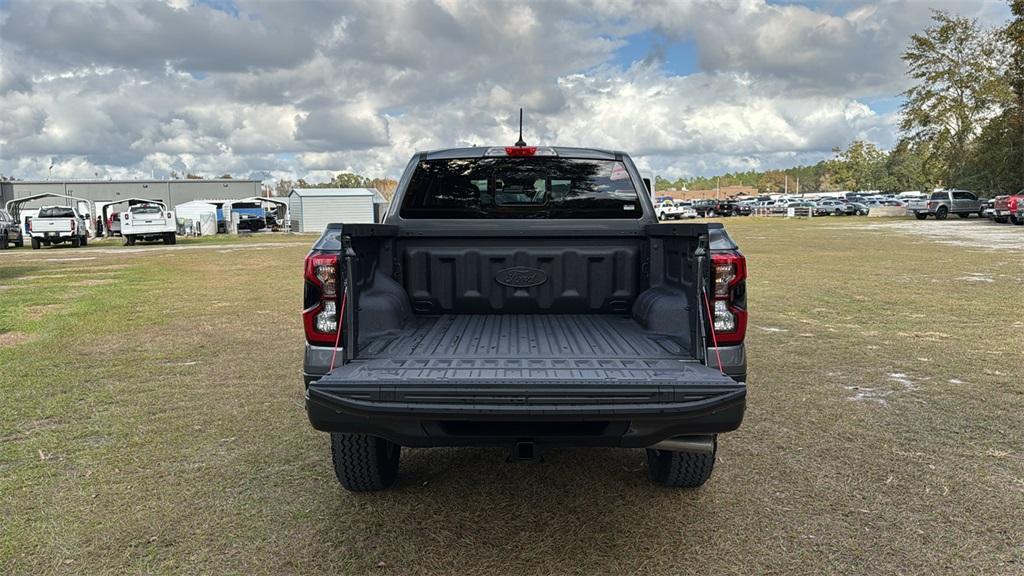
x,y
520,143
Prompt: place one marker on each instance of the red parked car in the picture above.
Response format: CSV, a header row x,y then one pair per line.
x,y
1009,208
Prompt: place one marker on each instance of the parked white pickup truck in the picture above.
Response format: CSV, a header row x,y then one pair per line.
x,y
149,221
56,225
669,210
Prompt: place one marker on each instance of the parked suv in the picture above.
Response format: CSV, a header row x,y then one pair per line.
x,y
10,231
524,297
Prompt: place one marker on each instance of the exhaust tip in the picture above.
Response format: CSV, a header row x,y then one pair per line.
x,y
699,444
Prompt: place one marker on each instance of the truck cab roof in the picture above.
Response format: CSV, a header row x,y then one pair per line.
x,y
481,151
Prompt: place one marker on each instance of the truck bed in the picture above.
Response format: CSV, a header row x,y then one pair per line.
x,y
524,336
561,365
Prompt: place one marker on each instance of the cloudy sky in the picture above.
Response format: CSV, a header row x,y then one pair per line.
x,y
276,88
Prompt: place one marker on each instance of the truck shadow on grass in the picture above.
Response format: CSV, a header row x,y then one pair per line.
x,y
16,272
587,510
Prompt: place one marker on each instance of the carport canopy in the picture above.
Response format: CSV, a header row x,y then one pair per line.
x,y
14,206
278,204
130,202
255,199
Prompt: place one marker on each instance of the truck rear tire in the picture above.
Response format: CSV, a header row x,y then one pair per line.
x,y
364,463
941,213
169,238
680,469
921,216
35,244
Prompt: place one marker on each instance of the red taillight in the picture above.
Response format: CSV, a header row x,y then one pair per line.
x,y
520,150
320,316
729,280
72,224
28,223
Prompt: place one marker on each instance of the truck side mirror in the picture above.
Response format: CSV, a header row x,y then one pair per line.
x,y
647,184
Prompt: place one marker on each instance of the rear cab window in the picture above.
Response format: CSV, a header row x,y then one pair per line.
x,y
56,213
520,188
940,195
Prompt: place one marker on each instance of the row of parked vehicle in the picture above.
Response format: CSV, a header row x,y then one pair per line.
x,y
55,225
670,209
853,205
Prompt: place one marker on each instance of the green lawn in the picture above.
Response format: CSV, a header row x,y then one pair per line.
x,y
151,421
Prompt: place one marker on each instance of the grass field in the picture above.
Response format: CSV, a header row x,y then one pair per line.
x,y
151,421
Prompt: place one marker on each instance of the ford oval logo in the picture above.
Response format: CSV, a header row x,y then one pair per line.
x,y
521,277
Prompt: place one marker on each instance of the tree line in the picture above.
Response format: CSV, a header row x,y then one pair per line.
x,y
961,126
386,186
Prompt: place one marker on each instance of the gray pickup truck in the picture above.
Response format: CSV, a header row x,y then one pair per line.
x,y
524,297
942,203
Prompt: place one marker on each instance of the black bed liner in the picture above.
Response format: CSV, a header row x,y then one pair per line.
x,y
522,336
549,358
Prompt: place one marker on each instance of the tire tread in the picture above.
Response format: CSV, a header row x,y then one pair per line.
x,y
680,469
364,463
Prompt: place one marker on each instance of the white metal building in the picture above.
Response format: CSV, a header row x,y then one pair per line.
x,y
312,209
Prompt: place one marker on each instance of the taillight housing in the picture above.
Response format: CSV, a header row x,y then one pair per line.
x,y
729,275
28,223
320,306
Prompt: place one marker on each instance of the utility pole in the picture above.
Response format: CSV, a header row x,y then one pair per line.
x,y
787,184
798,186
718,188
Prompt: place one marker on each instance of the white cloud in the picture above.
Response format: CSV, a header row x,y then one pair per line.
x,y
307,88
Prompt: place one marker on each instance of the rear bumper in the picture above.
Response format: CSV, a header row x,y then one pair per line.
x,y
148,231
467,412
55,235
503,417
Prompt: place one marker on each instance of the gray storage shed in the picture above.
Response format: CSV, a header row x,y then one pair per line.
x,y
312,209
